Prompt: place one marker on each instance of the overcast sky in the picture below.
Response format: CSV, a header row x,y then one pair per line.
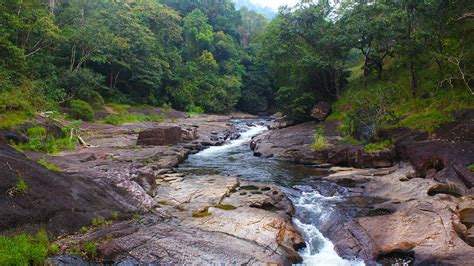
x,y
274,3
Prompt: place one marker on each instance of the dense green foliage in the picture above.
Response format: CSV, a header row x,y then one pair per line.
x,y
81,110
384,63
184,53
23,249
425,45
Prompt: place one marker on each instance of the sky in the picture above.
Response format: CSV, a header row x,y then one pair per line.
x,y
274,3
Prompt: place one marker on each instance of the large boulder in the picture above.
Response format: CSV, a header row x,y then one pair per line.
x,y
189,133
160,136
355,156
321,110
57,202
281,122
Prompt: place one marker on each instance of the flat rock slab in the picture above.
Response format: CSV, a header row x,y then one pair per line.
x,y
222,233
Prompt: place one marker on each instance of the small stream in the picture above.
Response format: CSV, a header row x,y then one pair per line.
x,y
313,199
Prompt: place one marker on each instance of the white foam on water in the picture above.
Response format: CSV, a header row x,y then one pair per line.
x,y
308,202
244,137
325,255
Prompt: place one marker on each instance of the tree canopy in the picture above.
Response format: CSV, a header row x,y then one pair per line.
x,y
207,54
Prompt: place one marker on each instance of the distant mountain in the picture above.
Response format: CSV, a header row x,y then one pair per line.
x,y
268,12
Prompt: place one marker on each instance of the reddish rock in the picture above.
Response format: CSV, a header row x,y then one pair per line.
x,y
321,110
355,156
449,151
160,136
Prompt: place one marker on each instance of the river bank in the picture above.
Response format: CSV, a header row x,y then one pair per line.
x,y
163,204
135,206
408,203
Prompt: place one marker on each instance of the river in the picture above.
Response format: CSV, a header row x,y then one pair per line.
x,y
301,183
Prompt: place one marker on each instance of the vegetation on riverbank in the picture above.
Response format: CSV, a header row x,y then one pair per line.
x,y
23,249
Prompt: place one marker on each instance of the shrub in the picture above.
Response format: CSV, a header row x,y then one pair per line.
x,y
194,110
100,221
21,186
372,147
24,249
320,141
53,249
470,167
369,111
90,248
81,110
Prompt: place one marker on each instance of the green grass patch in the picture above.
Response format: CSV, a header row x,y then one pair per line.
x,y
373,147
114,215
12,119
320,141
90,249
40,143
21,186
351,140
119,109
431,108
470,167
130,118
100,221
225,207
427,121
201,214
24,249
53,249
49,166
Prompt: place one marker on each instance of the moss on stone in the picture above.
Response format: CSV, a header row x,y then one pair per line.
x,y
225,207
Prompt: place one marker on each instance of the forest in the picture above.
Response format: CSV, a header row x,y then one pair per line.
x,y
206,56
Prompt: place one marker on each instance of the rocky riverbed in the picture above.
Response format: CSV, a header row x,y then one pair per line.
x,y
411,204
147,211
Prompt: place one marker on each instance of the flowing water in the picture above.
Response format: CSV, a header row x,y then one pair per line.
x,y
313,199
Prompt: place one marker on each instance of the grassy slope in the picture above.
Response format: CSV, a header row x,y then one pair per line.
x,y
432,107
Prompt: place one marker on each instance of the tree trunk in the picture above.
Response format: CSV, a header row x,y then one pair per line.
x,y
413,81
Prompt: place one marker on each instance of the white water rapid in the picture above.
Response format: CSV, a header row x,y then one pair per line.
x,y
236,159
